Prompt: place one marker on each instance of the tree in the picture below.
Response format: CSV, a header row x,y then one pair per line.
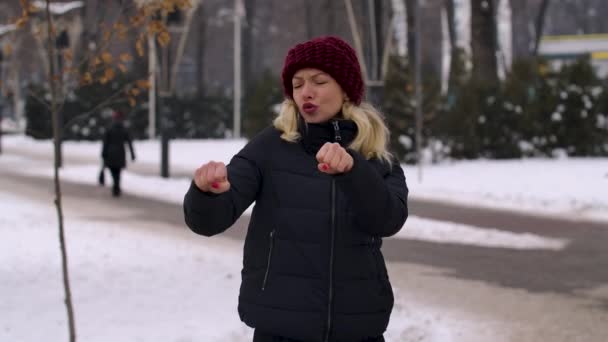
x,y
98,66
484,40
539,24
457,53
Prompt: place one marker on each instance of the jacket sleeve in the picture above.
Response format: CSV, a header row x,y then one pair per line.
x,y
209,214
379,201
104,146
130,143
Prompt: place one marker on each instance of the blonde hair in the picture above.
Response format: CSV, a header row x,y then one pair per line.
x,y
372,136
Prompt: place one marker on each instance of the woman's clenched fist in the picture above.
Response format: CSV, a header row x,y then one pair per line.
x,y
334,159
212,177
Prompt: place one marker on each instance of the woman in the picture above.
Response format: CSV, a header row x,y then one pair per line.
x,y
113,150
326,192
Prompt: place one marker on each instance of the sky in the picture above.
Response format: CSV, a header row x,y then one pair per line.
x,y
141,284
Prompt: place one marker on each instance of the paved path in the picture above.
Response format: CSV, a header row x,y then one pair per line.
x,y
528,295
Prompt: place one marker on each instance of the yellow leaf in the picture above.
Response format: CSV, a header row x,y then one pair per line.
x,y
125,57
87,78
135,92
184,4
106,57
119,27
143,84
137,20
8,50
163,38
132,102
107,35
168,6
28,6
122,67
103,80
139,46
67,54
21,22
155,26
96,61
109,74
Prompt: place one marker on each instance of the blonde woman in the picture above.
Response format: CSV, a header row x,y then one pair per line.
x,y
326,192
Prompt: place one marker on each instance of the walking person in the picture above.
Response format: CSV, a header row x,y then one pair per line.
x,y
326,192
113,150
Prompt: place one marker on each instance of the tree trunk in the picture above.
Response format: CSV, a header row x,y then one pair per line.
x,y
520,23
539,24
200,51
455,51
483,40
330,12
375,49
57,126
410,8
308,15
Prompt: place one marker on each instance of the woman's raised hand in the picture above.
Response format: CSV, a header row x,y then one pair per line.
x,y
212,177
334,159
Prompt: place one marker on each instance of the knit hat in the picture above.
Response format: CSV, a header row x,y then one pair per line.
x,y
117,115
331,55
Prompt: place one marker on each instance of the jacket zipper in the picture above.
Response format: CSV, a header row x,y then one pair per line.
x,y
331,259
337,138
269,260
375,257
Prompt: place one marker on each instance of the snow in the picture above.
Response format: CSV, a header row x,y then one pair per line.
x,y
59,8
139,280
124,280
7,28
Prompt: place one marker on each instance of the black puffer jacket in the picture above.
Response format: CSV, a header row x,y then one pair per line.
x,y
312,268
113,148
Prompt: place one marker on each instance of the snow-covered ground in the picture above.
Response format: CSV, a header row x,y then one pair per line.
x,y
124,279
572,188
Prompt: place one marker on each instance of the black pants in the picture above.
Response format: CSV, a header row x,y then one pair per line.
x,y
259,336
115,171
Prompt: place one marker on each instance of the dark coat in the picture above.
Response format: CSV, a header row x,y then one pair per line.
x,y
113,149
312,260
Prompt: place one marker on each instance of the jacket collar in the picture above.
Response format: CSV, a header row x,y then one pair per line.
x,y
315,135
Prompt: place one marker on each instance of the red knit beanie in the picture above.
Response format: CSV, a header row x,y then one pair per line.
x,y
117,115
331,55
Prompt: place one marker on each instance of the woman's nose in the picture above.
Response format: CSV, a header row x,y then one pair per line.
x,y
307,91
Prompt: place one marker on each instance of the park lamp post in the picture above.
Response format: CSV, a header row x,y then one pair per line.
x,y
4,29
163,71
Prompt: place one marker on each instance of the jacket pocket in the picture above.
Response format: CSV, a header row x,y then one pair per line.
x,y
268,261
378,262
381,272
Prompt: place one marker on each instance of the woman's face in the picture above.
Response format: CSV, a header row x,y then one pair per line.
x,y
318,96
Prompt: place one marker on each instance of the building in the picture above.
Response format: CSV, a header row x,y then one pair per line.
x,y
566,48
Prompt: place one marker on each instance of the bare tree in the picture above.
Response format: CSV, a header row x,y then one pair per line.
x,y
330,13
456,52
308,17
200,50
484,40
539,24
410,8
98,68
